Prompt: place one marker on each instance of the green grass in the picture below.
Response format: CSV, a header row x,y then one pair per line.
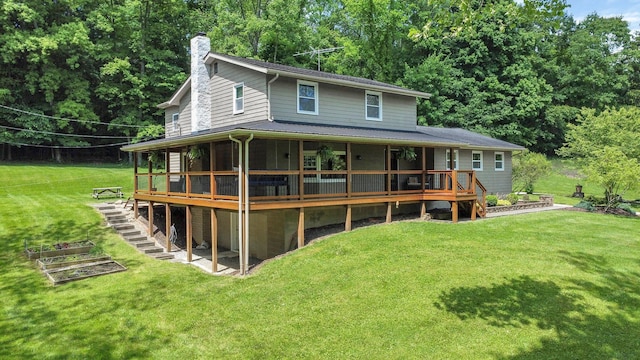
x,y
552,285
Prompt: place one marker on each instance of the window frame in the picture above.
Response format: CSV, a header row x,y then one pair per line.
x,y
455,159
496,161
315,92
366,105
480,161
175,120
237,110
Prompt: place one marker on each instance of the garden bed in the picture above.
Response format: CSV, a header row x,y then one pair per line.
x,y
59,249
83,271
521,205
56,262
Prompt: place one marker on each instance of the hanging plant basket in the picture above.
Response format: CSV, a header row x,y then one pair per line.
x,y
195,152
407,153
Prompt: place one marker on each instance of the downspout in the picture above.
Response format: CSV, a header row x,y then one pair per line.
x,y
240,193
246,202
269,116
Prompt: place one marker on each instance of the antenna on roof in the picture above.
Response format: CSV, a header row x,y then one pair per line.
x,y
317,52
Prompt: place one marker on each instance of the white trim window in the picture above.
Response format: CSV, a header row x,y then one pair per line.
x,y
307,97
499,160
175,121
373,105
476,160
238,98
448,160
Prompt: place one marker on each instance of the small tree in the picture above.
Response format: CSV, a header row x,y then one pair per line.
x,y
607,147
614,171
528,167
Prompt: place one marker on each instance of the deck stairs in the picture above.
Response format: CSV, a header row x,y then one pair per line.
x,y
118,218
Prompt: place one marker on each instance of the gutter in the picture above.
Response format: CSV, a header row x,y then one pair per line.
x,y
269,115
240,198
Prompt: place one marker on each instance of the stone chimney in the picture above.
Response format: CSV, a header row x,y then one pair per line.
x,y
200,93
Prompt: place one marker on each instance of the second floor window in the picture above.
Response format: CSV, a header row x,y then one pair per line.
x,y
175,118
238,98
307,97
373,105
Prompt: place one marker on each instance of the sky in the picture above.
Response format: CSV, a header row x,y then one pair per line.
x,y
628,9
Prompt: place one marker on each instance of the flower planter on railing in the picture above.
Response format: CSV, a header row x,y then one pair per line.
x,y
59,249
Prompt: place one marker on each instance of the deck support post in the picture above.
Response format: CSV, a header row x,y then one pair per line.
x,y
473,210
300,228
423,209
388,219
150,217
214,241
347,222
189,234
454,211
167,226
135,209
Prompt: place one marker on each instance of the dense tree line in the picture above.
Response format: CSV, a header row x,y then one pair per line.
x,y
521,73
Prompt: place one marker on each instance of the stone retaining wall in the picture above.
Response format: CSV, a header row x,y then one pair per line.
x,y
545,201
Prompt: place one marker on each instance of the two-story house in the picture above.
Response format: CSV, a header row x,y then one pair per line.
x,y
255,153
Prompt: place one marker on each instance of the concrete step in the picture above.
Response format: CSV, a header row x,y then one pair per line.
x,y
117,221
123,227
142,243
105,207
113,212
150,249
162,256
137,237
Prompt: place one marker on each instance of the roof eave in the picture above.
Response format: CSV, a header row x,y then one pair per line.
x,y
177,96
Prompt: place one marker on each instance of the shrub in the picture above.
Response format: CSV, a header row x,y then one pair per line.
x,y
504,202
492,200
512,198
585,205
595,200
626,207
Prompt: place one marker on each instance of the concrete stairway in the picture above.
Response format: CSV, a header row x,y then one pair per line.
x,y
118,218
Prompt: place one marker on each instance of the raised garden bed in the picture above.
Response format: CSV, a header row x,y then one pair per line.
x,y
59,249
83,271
56,262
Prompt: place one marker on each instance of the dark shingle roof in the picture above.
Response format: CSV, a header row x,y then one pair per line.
x,y
282,129
319,75
468,137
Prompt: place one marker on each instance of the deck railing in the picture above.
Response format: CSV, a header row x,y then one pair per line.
x,y
268,185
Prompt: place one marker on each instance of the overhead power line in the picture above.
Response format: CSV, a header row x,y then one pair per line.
x,y
67,119
61,134
66,147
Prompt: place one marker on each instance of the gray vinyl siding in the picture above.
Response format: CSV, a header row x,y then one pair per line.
x,y
496,182
184,122
255,95
339,105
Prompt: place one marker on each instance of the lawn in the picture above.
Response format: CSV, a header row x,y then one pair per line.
x,y
551,285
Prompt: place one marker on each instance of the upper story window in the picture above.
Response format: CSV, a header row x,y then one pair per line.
x,y
238,98
476,160
455,160
307,97
373,105
499,161
175,118
215,67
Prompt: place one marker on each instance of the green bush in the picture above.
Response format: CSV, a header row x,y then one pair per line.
x,y
492,200
627,207
585,205
595,200
502,202
512,198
